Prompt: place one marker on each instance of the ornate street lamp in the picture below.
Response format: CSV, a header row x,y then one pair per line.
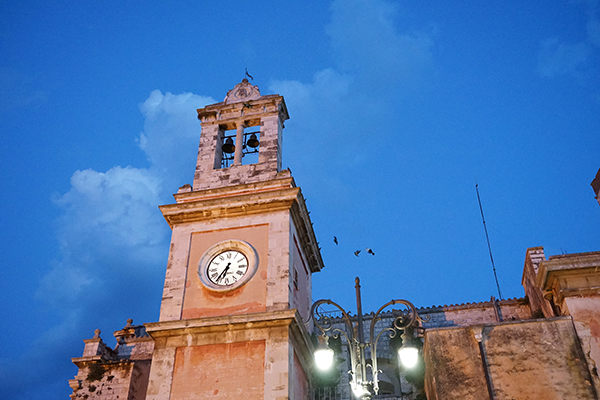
x,y
406,323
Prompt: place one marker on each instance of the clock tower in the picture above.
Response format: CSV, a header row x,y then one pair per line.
x,y
238,279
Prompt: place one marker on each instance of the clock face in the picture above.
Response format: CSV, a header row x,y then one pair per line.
x,y
227,265
227,268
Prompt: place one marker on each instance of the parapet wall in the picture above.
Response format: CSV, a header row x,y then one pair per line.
x,y
120,373
486,312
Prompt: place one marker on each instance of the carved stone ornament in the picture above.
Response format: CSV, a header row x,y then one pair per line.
x,y
243,91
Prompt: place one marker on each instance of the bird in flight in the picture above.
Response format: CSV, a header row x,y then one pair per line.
x,y
356,253
370,251
335,240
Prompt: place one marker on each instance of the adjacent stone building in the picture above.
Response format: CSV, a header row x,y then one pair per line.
x,y
551,355
237,297
110,374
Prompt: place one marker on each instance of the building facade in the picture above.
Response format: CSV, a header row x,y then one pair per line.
x,y
237,296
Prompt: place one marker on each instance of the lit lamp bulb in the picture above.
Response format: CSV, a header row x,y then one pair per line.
x,y
360,391
409,355
323,354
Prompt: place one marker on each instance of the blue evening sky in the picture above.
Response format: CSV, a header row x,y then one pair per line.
x,y
396,108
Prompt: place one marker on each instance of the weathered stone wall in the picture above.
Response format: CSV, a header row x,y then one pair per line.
x,y
539,305
299,381
586,315
122,373
220,371
248,355
454,368
300,277
103,381
537,359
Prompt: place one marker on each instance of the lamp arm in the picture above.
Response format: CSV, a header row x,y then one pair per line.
x,y
327,325
335,332
351,343
374,368
401,322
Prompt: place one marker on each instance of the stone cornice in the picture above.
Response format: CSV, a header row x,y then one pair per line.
x,y
577,274
503,323
235,190
224,114
230,206
223,323
247,199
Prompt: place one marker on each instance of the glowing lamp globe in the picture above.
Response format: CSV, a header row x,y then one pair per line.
x,y
360,391
409,356
323,357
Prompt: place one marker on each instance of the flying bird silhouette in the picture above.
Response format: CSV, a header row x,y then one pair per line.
x,y
370,251
356,253
335,240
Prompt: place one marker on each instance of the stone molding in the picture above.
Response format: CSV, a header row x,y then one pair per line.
x,y
238,322
570,275
223,323
246,199
251,111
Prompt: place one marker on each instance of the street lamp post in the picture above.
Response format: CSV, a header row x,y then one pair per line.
x,y
362,387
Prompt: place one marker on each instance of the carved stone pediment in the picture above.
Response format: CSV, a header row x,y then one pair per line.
x,y
242,92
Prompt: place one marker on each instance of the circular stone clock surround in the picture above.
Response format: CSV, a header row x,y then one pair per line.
x,y
228,245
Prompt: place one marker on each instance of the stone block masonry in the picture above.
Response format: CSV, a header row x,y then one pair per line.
x,y
119,374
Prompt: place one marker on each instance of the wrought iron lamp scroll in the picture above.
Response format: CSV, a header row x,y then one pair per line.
x,y
406,322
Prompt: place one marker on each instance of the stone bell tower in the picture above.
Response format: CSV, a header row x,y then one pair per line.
x,y
238,279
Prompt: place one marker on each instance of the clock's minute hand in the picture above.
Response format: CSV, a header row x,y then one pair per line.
x,y
222,275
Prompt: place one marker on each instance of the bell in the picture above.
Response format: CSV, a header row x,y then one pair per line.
x,y
228,147
253,141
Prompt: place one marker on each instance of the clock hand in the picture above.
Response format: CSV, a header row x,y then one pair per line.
x,y
222,274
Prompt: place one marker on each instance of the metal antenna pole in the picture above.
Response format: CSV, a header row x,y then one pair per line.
x,y
488,240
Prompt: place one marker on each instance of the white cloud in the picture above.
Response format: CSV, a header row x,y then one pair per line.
x,y
109,220
368,43
171,134
113,238
558,58
336,116
312,102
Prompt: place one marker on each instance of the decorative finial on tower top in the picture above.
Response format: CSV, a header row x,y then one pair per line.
x,y
248,75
